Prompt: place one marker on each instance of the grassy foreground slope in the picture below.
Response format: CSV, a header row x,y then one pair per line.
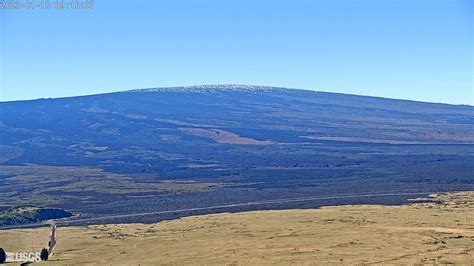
x,y
439,232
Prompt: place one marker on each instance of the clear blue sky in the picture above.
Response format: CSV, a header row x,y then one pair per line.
x,y
408,49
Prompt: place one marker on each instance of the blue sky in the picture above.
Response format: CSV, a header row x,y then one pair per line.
x,y
407,49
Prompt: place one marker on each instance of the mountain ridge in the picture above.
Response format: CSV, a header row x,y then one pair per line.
x,y
237,87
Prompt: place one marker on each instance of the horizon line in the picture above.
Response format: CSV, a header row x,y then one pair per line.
x,y
227,85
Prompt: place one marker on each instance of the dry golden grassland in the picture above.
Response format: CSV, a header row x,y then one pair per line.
x,y
441,232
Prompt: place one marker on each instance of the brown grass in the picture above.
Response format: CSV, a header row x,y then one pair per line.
x,y
417,233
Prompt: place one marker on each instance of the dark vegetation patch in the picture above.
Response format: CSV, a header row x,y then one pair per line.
x,y
29,214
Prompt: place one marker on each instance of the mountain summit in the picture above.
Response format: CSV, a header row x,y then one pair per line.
x,y
183,148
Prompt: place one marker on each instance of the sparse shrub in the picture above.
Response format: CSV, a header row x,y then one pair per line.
x,y
3,255
44,254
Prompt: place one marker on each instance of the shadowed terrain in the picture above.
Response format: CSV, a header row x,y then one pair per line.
x,y
181,148
28,214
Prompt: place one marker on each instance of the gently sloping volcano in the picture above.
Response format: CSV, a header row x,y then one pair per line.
x,y
183,148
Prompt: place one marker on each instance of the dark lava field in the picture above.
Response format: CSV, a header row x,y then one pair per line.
x,y
250,147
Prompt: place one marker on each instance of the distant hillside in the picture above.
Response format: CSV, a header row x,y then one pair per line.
x,y
28,214
190,147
